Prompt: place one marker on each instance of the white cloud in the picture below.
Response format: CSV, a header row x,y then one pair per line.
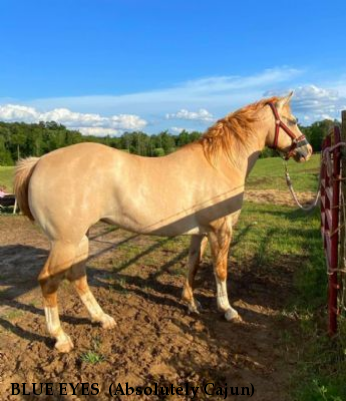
x,y
127,122
14,112
183,114
178,130
317,102
231,83
87,123
314,102
99,131
218,95
327,117
189,104
312,97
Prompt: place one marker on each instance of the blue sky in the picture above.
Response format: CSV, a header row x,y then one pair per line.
x,y
105,66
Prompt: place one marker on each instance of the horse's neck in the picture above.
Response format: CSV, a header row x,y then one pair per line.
x,y
251,162
252,150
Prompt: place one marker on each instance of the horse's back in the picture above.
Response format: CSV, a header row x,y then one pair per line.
x,y
68,188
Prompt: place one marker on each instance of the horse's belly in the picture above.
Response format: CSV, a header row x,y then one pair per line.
x,y
159,226
168,217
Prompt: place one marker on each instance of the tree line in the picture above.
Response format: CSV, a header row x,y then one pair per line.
x,y
19,140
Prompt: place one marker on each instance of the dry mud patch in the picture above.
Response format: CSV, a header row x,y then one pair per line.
x,y
278,197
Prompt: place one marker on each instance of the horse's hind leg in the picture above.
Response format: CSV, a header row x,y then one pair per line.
x,y
197,247
78,276
59,261
220,240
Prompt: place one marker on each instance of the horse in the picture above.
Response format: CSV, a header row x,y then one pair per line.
x,y
197,190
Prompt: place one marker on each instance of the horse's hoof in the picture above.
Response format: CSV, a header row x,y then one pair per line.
x,y
108,322
233,316
194,307
199,306
64,345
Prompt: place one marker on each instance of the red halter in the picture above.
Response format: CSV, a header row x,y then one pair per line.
x,y
296,142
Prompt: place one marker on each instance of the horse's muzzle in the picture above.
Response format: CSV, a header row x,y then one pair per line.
x,y
303,153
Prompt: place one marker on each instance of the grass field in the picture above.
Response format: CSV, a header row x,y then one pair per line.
x,y
270,238
6,174
294,237
269,174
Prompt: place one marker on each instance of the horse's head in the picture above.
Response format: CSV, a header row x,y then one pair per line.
x,y
284,133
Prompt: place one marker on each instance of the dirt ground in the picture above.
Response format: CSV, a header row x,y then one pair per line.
x,y
273,196
138,280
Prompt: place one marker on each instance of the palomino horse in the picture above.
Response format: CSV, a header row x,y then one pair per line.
x,y
197,190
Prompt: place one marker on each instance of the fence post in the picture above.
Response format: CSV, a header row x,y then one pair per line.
x,y
343,126
342,253
343,187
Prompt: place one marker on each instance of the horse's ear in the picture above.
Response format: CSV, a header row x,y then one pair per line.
x,y
284,100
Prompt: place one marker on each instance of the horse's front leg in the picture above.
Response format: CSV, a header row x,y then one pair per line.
x,y
220,240
197,247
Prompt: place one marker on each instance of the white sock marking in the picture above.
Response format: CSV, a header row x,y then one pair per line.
x,y
222,300
52,320
93,307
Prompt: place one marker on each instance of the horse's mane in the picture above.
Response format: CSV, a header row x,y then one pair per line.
x,y
232,133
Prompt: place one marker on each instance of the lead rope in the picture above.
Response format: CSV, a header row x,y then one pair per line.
x,y
313,204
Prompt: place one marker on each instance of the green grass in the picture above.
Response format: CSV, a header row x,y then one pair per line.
x,y
269,236
6,177
269,174
92,357
14,314
269,239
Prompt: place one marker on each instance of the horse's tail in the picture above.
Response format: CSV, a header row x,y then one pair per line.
x,y
22,175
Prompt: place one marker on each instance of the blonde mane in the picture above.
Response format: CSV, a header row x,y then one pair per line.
x,y
231,134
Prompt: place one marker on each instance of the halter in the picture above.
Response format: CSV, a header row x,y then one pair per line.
x,y
296,142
